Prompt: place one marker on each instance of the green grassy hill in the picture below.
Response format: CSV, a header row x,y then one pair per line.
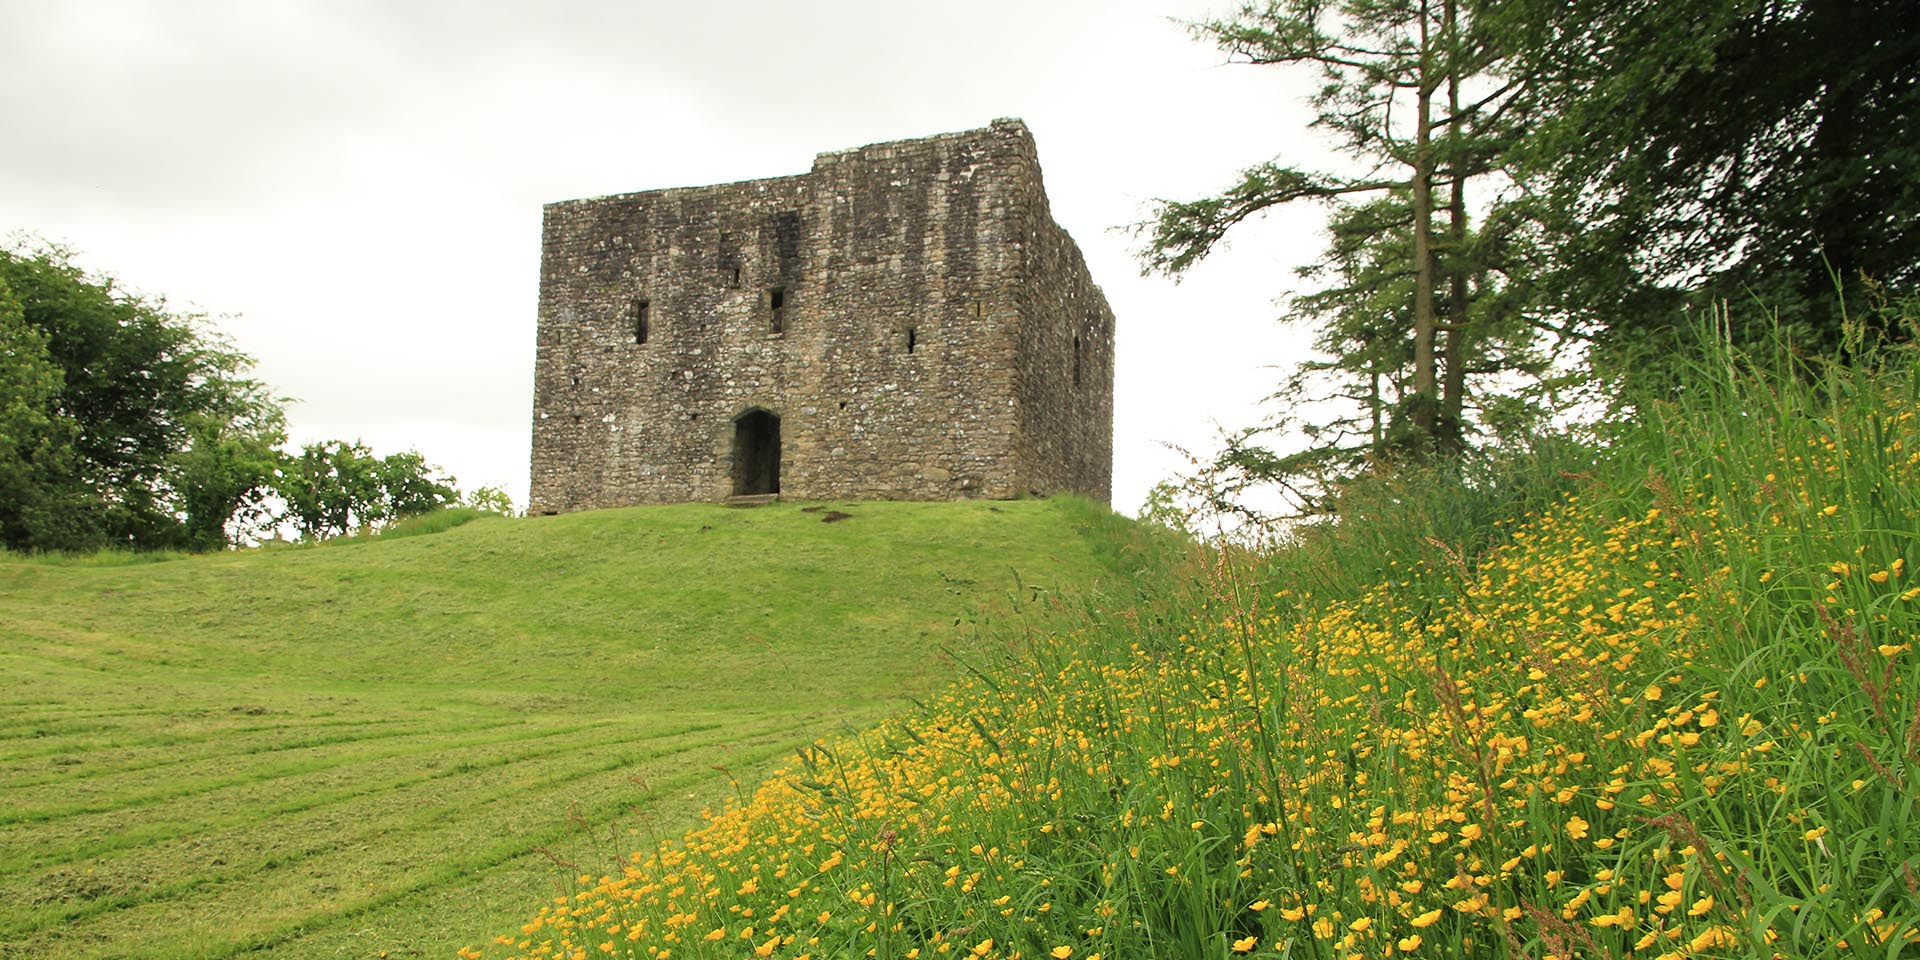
x,y
387,745
1653,697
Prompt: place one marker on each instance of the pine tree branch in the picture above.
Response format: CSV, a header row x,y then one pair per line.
x,y
1183,232
1472,109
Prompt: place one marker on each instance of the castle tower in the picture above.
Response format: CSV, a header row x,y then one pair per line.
x,y
905,321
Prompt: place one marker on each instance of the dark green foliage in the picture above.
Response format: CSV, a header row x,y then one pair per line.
x,y
322,485
489,499
334,487
125,423
38,466
409,486
1631,164
129,378
1759,152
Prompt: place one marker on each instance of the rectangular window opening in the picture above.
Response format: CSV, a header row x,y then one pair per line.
x,y
1076,361
777,310
639,314
913,338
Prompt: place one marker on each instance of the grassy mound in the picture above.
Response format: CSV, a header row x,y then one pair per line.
x,y
385,745
1671,713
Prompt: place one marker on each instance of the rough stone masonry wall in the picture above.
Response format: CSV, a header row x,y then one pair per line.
x,y
928,241
916,244
619,422
1065,382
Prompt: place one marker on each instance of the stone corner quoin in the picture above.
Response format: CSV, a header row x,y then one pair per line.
x,y
903,322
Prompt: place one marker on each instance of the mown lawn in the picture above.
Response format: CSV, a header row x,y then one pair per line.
x,y
398,744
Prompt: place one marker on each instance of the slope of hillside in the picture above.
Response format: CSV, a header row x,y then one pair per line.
x,y
1666,707
387,745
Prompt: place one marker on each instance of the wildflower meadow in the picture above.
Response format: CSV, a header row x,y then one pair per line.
x,y
1651,697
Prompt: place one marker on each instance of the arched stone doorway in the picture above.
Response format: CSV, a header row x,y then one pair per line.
x,y
756,453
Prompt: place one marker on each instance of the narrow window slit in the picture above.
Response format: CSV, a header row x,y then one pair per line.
x,y
639,314
777,310
913,338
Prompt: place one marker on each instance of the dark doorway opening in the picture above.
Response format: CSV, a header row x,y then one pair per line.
x,y
756,453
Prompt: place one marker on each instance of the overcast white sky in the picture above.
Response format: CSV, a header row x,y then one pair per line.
x,y
354,188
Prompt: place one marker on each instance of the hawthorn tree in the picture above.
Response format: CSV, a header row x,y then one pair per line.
x,y
489,499
333,488
126,423
38,466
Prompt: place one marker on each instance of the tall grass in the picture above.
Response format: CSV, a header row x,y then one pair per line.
x,y
1657,699
436,521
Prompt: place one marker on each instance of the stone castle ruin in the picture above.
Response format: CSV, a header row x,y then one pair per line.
x,y
905,321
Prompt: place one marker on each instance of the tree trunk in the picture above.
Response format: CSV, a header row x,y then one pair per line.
x,y
1424,406
1375,408
1450,437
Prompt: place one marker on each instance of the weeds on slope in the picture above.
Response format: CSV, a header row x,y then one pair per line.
x,y
1672,714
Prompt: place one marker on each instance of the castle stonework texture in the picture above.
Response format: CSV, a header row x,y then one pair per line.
x,y
905,321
